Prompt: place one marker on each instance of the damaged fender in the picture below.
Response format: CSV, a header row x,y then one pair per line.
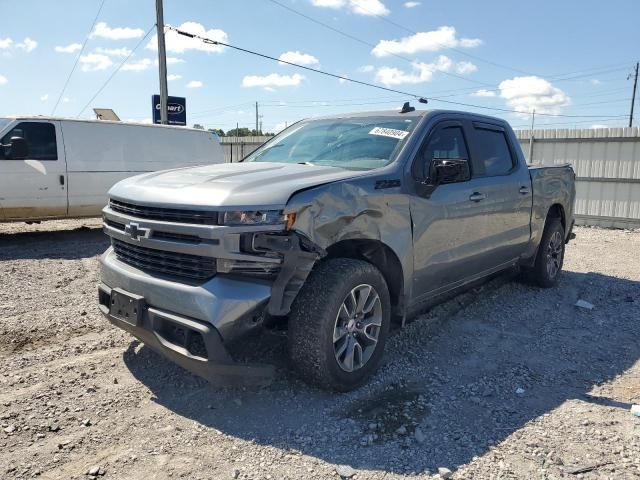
x,y
367,208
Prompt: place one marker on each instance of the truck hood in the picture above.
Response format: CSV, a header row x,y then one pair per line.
x,y
259,184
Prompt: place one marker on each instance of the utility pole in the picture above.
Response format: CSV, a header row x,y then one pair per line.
x,y
533,118
256,118
162,63
633,96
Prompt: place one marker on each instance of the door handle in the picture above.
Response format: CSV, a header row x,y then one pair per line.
x,y
477,196
524,190
61,178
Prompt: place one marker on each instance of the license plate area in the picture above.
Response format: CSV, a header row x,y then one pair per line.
x,y
126,306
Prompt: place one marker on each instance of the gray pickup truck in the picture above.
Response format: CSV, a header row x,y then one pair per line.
x,y
336,228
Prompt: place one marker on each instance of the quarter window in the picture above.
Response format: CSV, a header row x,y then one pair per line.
x,y
492,152
40,138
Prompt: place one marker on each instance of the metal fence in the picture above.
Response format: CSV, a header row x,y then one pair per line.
x,y
236,148
607,166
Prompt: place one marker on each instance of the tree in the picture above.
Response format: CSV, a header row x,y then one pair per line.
x,y
217,131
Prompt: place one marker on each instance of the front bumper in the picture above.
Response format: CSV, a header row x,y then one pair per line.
x,y
189,324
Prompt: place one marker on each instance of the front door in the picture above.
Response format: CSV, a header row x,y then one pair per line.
x,y
448,224
34,187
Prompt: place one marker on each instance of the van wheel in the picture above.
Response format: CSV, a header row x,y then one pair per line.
x,y
339,323
550,255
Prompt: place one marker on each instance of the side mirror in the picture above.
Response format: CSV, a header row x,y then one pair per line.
x,y
19,148
450,170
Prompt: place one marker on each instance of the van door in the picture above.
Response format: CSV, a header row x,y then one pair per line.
x,y
34,187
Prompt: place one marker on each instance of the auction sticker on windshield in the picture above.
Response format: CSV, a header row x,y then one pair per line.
x,y
389,132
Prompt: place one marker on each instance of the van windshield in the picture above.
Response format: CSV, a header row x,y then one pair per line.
x,y
359,143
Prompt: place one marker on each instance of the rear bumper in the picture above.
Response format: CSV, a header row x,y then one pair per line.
x,y
188,324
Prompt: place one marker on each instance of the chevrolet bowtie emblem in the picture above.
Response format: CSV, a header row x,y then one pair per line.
x,y
135,231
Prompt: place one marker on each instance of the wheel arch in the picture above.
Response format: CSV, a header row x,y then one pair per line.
x,y
381,256
557,211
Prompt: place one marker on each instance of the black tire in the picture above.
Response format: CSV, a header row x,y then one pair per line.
x,y
318,311
550,257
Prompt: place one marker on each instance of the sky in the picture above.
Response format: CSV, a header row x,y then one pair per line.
x,y
568,60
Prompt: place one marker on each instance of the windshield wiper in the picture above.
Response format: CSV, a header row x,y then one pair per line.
x,y
306,163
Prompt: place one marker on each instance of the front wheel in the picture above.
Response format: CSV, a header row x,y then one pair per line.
x,y
550,255
339,324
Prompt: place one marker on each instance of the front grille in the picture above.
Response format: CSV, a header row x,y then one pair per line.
x,y
179,266
165,214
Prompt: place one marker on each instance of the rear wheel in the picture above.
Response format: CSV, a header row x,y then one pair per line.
x,y
550,255
339,324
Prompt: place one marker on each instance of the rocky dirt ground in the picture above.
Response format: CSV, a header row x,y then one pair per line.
x,y
506,381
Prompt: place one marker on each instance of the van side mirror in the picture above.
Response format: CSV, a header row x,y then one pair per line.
x,y
447,170
19,148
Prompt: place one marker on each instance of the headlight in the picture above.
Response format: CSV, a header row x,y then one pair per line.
x,y
256,217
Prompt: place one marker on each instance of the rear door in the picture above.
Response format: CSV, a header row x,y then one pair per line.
x,y
503,186
34,187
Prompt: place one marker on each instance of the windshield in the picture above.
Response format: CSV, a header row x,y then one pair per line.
x,y
4,122
362,143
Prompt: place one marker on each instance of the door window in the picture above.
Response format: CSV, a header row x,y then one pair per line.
x,y
40,138
492,154
445,143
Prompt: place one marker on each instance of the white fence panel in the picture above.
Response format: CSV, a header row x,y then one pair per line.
x,y
607,166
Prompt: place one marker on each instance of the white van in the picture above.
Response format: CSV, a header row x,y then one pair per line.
x,y
60,168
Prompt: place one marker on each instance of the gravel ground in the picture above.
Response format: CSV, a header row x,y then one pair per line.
x,y
506,381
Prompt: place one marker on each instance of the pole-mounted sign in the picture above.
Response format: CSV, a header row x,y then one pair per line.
x,y
176,110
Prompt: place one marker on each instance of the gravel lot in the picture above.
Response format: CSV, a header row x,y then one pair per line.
x,y
506,381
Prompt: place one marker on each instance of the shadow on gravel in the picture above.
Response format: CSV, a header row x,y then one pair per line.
x,y
74,244
455,382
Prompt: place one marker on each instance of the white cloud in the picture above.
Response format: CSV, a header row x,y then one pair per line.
x,y
528,93
483,93
138,65
3,80
366,68
28,45
270,89
422,72
359,7
195,84
432,41
598,125
44,97
299,58
71,48
173,77
103,30
412,4
94,61
66,99
116,52
464,68
5,43
595,81
179,43
272,80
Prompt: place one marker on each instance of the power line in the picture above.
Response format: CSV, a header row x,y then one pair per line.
x,y
371,45
86,38
116,70
420,98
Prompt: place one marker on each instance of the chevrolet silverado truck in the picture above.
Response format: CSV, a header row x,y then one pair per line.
x,y
336,228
